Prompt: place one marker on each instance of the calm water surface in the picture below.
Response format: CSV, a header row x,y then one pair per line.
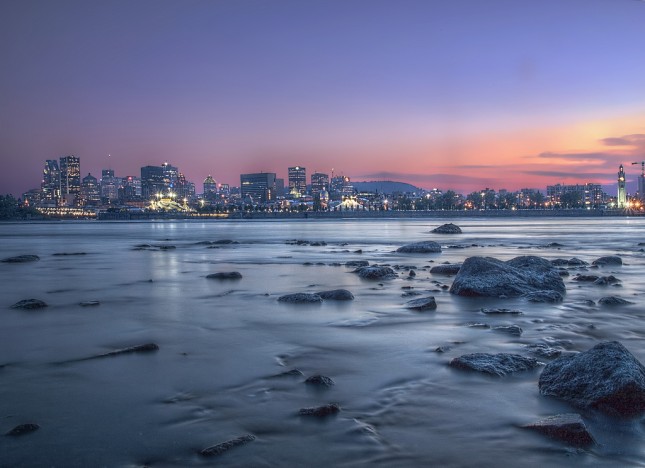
x,y
222,343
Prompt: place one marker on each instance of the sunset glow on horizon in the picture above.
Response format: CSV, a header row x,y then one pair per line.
x,y
440,94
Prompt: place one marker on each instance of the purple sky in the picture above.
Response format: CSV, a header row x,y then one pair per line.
x,y
460,94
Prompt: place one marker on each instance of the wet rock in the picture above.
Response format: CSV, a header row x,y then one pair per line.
x,y
359,251
495,364
423,303
23,429
412,274
300,298
165,247
478,325
585,278
357,263
610,260
568,428
21,259
320,381
568,262
89,303
225,242
29,304
613,301
543,350
446,269
605,280
290,373
219,449
420,247
320,411
336,295
486,276
553,245
225,275
607,378
64,254
498,311
376,272
544,296
318,244
410,293
144,348
509,329
447,229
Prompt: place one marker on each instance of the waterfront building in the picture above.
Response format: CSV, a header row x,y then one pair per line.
x,y
90,191
225,190
210,187
279,187
152,182
109,186
297,181
576,195
50,185
259,186
70,176
130,189
319,182
340,186
621,201
170,176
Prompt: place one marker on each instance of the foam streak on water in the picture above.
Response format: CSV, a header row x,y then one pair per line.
x,y
221,344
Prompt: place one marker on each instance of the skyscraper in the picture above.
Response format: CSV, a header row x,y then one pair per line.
x,y
70,175
90,191
259,186
50,186
109,186
621,202
152,181
319,182
297,181
210,187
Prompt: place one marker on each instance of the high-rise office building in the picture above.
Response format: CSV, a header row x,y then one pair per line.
x,y
50,186
297,181
621,201
170,176
109,186
319,182
90,191
210,187
70,175
152,182
259,186
130,189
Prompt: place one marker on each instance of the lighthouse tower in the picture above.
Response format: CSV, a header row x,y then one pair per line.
x,y
622,194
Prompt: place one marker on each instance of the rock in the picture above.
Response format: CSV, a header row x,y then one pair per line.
x,y
613,301
320,411
89,303
605,280
144,348
607,378
320,380
357,263
412,274
376,272
21,259
23,429
29,304
478,325
610,260
510,329
568,262
447,229
300,298
423,303
543,350
446,269
64,254
219,449
290,373
225,242
336,295
359,251
225,275
544,296
568,428
501,311
486,276
495,364
166,247
420,247
585,278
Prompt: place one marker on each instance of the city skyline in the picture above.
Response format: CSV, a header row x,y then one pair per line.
x,y
437,94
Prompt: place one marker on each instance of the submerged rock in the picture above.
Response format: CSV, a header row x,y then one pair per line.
x,y
495,364
613,301
23,429
144,348
357,263
320,380
544,296
568,428
543,350
290,373
611,260
423,303
585,278
568,262
219,449
225,275
29,304
21,259
64,254
420,247
336,295
376,272
300,298
320,411
447,229
446,269
89,303
498,311
510,329
486,276
607,378
605,280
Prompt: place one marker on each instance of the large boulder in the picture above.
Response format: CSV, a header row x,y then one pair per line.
x,y
420,247
376,272
610,260
447,229
336,295
495,364
607,378
486,276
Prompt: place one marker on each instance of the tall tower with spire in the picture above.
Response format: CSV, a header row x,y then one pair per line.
x,y
622,194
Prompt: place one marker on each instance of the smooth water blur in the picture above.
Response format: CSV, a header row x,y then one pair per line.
x,y
222,342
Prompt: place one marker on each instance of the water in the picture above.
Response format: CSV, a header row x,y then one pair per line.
x,y
221,343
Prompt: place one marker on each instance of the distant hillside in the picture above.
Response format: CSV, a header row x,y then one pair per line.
x,y
384,186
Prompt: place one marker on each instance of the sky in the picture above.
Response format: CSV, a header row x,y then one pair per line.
x,y
452,94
